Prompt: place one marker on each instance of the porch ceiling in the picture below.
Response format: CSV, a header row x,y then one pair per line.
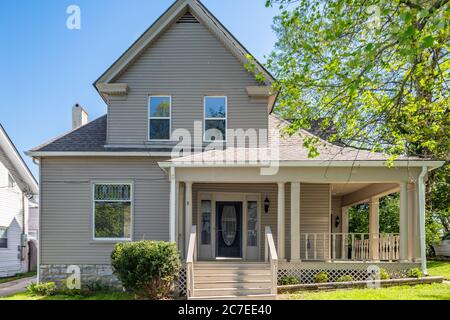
x,y
340,189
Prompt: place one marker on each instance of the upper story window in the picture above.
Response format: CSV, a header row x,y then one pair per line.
x,y
215,113
11,181
3,238
112,211
159,122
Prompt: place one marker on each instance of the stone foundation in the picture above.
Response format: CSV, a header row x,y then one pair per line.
x,y
91,275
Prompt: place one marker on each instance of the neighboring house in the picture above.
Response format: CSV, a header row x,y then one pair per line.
x,y
33,222
17,191
116,179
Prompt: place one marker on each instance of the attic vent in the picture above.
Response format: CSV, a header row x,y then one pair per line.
x,y
187,18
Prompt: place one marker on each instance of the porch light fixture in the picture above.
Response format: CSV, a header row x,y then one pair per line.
x,y
266,205
337,221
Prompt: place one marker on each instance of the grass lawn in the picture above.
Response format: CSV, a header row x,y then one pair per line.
x,y
18,276
97,296
421,292
439,268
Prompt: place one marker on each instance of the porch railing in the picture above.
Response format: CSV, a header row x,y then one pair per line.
x,y
349,246
190,258
272,257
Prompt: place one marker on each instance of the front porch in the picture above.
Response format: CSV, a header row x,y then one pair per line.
x,y
309,222
292,222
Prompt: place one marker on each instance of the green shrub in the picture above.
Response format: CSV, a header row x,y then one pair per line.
x,y
384,275
414,273
147,268
288,281
346,278
71,292
97,286
321,277
42,289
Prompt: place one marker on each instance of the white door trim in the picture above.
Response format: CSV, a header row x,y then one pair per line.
x,y
229,197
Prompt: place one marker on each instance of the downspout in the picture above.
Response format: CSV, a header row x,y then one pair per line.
x,y
173,206
421,190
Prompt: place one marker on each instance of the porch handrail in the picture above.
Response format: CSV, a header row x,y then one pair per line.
x,y
190,258
350,246
272,257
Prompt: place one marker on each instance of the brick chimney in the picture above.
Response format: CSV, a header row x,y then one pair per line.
x,y
79,116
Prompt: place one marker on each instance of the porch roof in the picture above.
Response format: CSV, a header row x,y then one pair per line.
x,y
290,151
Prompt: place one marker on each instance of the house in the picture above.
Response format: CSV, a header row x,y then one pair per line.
x,y
244,215
17,191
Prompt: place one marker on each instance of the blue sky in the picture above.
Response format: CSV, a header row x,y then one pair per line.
x,y
46,68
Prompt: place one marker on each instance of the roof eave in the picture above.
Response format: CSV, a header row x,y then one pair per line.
x,y
49,154
431,165
17,161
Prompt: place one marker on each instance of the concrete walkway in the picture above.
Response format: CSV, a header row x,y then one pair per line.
x,y
16,286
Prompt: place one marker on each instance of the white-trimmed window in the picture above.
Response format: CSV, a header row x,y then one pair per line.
x,y
112,211
215,116
159,118
3,238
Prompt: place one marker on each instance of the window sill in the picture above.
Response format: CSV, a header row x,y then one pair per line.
x,y
109,241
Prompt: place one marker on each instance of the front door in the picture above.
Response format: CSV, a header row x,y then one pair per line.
x,y
229,229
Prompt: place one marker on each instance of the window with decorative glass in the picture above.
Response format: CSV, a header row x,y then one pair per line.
x,y
3,237
159,121
112,211
206,222
215,113
252,224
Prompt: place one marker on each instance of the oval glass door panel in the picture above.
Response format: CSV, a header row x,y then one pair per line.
x,y
229,225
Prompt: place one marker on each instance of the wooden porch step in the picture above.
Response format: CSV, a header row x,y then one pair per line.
x,y
250,297
230,271
230,291
239,276
248,284
214,264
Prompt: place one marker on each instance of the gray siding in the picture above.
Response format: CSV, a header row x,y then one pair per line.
x,y
188,63
314,218
66,208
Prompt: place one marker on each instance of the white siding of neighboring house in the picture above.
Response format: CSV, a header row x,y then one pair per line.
x,y
33,221
11,216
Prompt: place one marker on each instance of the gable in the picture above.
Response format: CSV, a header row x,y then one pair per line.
x,y
14,164
187,53
172,15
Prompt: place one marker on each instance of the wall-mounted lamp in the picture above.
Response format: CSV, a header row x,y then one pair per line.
x,y
266,205
337,221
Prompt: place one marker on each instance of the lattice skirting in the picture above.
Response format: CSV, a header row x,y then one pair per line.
x,y
181,283
306,271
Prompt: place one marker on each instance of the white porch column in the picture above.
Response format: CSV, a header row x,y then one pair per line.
x,y
344,223
403,222
374,229
411,216
344,230
181,219
281,221
173,206
417,243
188,220
295,221
421,196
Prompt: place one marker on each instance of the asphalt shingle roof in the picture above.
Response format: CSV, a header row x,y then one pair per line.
x,y
88,138
92,138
